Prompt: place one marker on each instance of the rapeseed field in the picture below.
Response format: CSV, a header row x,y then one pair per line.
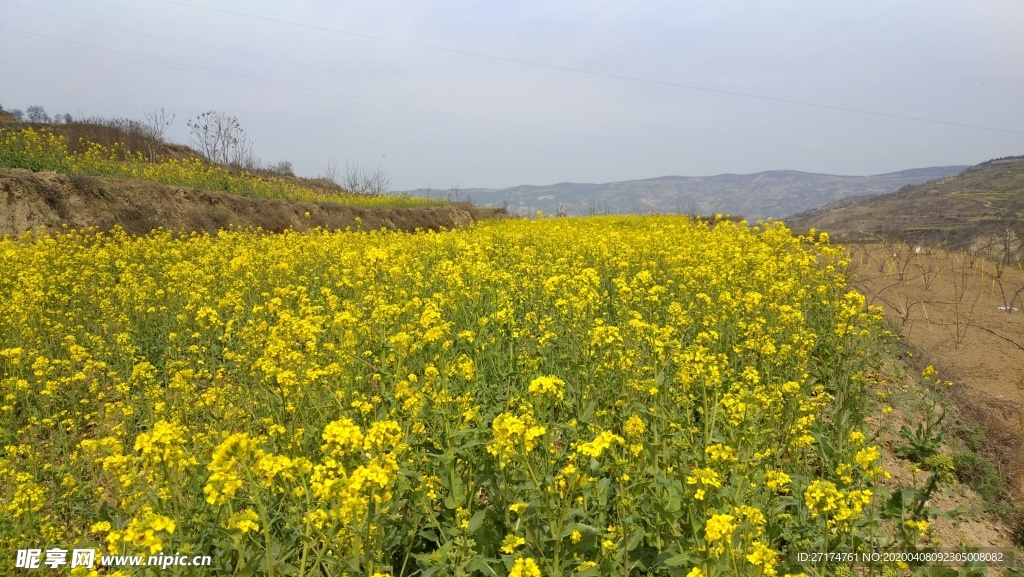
x,y
44,150
602,396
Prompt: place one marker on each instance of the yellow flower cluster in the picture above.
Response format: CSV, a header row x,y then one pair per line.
x,y
525,567
719,527
226,474
514,435
604,440
245,521
825,500
777,480
164,445
511,543
142,532
704,478
550,386
634,427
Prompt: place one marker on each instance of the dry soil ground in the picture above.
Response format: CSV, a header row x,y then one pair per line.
x,y
955,309
961,312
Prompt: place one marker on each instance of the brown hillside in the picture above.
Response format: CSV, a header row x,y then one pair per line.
x,y
30,200
980,203
80,134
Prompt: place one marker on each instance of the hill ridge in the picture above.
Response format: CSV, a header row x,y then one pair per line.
x,y
982,201
765,194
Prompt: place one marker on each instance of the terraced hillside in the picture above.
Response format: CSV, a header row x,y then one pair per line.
x,y
984,203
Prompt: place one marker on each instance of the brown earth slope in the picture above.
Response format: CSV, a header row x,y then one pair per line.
x,y
29,200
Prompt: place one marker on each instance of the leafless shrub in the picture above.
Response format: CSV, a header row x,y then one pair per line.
x,y
220,138
904,305
331,172
82,181
280,169
358,179
901,259
157,123
283,168
929,269
963,317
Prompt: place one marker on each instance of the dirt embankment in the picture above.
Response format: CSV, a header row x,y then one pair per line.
x,y
29,200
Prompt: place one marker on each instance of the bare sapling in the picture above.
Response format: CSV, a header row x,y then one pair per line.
x,y
157,123
963,317
929,269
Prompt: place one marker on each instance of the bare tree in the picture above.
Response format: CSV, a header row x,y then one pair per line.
x,y
283,168
36,113
220,138
357,179
1010,244
361,180
17,114
157,123
331,172
962,316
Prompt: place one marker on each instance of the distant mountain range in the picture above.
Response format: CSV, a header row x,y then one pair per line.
x,y
775,194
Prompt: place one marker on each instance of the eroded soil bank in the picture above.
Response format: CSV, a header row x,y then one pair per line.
x,y
29,200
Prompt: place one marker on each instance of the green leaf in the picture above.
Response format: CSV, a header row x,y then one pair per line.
x,y
429,535
676,561
458,492
476,521
436,569
446,457
635,539
249,569
480,564
675,504
603,487
588,412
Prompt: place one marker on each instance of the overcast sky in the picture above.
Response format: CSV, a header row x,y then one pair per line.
x,y
496,93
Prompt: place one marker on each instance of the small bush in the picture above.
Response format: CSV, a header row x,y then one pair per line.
x,y
979,473
972,435
82,181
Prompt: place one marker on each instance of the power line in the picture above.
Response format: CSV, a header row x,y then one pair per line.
x,y
584,71
230,76
205,46
215,73
170,64
294,63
